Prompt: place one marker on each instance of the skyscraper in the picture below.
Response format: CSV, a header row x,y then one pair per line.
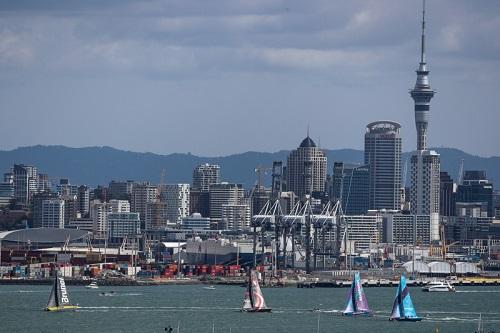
x,y
425,164
477,189
205,175
306,169
383,157
224,194
142,194
176,197
25,183
350,185
447,195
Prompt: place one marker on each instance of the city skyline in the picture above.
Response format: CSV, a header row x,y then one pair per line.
x,y
208,69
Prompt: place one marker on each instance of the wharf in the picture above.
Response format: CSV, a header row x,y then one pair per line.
x,y
388,283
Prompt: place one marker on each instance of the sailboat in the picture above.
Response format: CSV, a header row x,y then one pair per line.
x,y
59,298
403,309
254,300
356,299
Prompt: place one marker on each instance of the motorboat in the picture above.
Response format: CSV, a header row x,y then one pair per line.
x,y
209,287
438,286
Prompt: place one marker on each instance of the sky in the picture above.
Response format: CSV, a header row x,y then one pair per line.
x,y
228,76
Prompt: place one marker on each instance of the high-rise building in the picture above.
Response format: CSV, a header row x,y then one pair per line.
x,y
119,206
36,206
383,157
306,169
70,208
43,182
142,194
476,189
120,190
425,164
224,194
350,185
199,202
65,188
235,217
52,213
156,215
362,232
407,229
176,196
446,195
25,183
205,175
83,200
6,194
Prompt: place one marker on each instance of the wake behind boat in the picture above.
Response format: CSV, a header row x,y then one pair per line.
x,y
59,298
254,300
403,309
357,303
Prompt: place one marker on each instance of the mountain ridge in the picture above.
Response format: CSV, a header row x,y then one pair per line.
x,y
98,165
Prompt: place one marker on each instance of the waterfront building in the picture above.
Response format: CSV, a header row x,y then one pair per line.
x,y
176,196
383,157
235,217
224,194
123,225
196,222
120,190
425,164
205,175
25,183
476,190
363,231
306,169
400,229
99,212
83,200
52,213
446,195
142,194
350,185
86,224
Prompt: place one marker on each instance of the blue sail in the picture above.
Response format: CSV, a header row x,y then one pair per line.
x,y
403,308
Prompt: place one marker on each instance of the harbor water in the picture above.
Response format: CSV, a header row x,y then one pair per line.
x,y
195,309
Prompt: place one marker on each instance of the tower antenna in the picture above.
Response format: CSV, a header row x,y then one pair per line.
x,y
422,51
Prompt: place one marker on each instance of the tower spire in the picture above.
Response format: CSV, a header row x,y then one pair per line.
x,y
422,51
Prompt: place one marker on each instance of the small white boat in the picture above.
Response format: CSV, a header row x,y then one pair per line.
x,y
209,288
93,285
438,286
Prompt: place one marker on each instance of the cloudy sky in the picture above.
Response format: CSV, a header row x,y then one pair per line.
x,y
220,77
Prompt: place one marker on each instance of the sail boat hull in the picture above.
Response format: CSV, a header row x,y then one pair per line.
x,y
61,308
256,310
406,319
352,314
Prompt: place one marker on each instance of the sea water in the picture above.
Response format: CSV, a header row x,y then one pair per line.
x,y
194,309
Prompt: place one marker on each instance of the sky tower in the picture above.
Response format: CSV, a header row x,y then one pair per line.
x,y
425,163
422,93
